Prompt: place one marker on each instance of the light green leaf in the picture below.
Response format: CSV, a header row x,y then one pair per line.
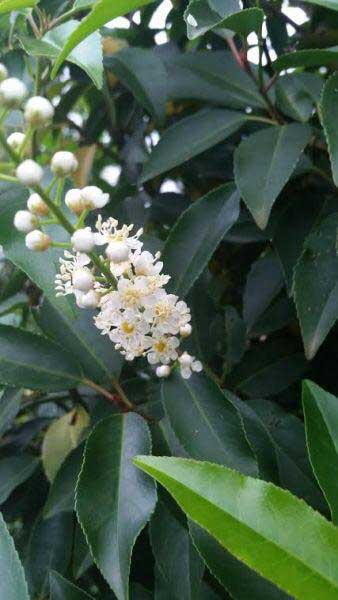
x,y
103,11
12,576
329,115
61,438
264,162
315,285
206,422
189,137
196,235
321,425
203,15
307,58
34,362
144,73
14,470
61,496
62,589
9,5
10,402
298,547
123,500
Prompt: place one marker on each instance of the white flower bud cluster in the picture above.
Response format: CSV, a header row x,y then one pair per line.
x,y
88,198
139,316
27,221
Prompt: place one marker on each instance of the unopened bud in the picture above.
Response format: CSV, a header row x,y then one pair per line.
x,y
12,92
117,252
37,240
64,163
15,140
24,221
37,206
83,240
29,173
185,330
83,279
93,197
163,371
38,111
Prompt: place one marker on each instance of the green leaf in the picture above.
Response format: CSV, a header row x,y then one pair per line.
x,y
9,5
9,407
235,331
124,501
315,285
307,58
264,162
242,513
189,137
61,496
326,3
297,93
12,576
203,15
62,589
49,547
143,72
240,581
329,115
176,558
34,362
263,283
206,422
61,437
14,470
103,11
321,423
196,235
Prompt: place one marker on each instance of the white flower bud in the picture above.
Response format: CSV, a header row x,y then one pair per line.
x,y
83,279
89,300
15,140
12,92
24,221
83,240
29,173
185,359
93,197
38,111
163,371
73,200
185,330
64,163
117,252
37,240
37,206
3,72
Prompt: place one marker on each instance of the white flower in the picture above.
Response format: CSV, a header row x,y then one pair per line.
x,y
163,371
3,72
12,92
29,173
64,163
129,332
74,201
189,364
165,312
83,279
109,232
147,264
15,140
90,299
38,111
37,240
69,265
185,330
118,252
83,240
163,349
37,206
93,197
24,221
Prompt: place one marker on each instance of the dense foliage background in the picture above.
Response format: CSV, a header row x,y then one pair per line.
x,y
216,131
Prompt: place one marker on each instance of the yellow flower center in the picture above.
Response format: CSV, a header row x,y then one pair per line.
x,y
127,327
160,346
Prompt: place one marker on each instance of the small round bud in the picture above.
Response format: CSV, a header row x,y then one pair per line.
x,y
83,240
64,163
93,197
163,371
185,359
37,240
12,92
73,200
117,252
15,140
3,72
89,300
24,221
38,111
185,330
29,173
83,279
37,206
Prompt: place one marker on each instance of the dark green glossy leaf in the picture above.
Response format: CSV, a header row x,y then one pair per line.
x,y
62,589
297,93
307,58
203,15
196,236
206,423
241,512
263,283
325,3
14,470
235,331
61,495
10,402
189,137
321,423
124,501
329,115
12,576
263,164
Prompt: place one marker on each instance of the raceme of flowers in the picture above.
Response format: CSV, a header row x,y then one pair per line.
x,y
126,284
